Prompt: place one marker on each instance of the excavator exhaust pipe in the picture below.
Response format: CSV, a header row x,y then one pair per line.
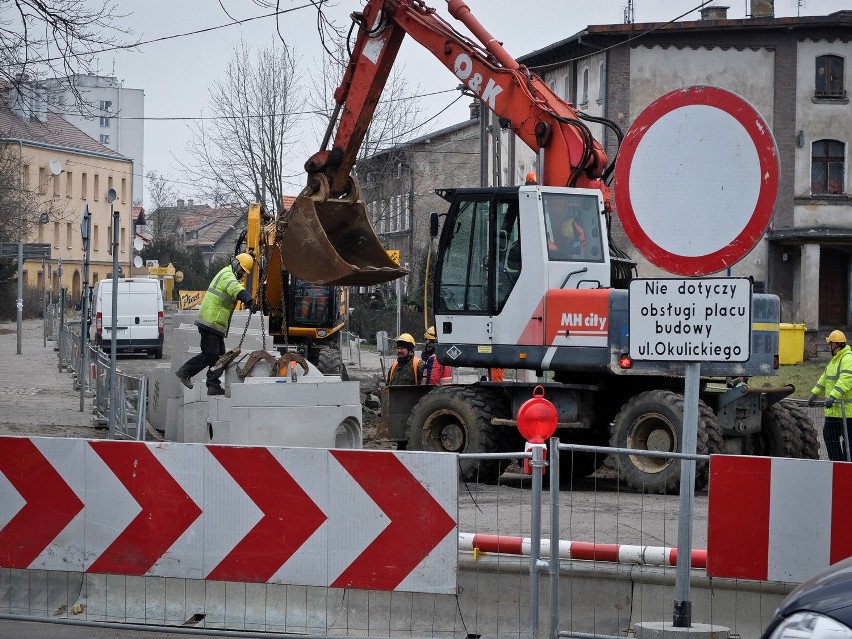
x,y
331,240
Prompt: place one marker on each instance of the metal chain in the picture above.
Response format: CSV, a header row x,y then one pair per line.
x,y
279,241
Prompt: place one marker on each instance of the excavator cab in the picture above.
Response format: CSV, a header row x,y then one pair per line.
x,y
331,240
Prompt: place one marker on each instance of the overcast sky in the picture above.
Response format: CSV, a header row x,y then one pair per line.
x,y
176,73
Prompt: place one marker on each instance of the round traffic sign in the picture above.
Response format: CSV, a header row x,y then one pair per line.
x,y
696,180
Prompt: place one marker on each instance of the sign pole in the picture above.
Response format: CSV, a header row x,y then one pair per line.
x,y
84,309
20,301
113,391
682,617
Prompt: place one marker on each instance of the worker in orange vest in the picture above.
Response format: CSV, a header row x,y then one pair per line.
x,y
407,370
435,373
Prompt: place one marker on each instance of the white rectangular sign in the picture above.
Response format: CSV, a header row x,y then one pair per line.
x,y
690,320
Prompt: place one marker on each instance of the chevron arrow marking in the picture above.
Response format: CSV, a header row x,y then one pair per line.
x,y
167,511
417,522
290,517
50,503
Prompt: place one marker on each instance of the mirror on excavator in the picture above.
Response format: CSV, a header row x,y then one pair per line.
x,y
331,240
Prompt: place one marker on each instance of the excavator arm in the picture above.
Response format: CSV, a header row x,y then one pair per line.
x,y
330,220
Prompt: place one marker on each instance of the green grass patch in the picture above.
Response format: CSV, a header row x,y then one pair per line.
x,y
802,376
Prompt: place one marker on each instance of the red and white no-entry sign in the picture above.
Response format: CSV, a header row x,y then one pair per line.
x,y
696,180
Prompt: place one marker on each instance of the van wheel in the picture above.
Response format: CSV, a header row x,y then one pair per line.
x,y
158,353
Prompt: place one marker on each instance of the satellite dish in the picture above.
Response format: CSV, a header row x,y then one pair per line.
x,y
137,262
111,195
138,244
55,167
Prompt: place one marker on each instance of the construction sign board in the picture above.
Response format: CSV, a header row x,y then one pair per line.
x,y
373,520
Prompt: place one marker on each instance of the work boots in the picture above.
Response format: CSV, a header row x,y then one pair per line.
x,y
215,390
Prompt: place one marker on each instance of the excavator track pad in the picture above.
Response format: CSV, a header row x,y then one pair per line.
x,y
331,241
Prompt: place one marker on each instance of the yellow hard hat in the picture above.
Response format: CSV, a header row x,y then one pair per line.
x,y
405,339
430,333
245,261
568,229
837,337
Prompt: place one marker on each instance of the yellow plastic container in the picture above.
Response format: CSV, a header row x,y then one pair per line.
x,y
791,343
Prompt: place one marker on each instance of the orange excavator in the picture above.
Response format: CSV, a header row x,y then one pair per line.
x,y
527,278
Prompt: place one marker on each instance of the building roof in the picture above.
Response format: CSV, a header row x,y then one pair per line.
x,y
56,133
635,31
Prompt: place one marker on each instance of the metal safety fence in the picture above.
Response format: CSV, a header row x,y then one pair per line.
x,y
92,373
350,348
611,568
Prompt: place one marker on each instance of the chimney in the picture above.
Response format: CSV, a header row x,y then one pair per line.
x,y
189,202
714,13
180,204
762,8
474,110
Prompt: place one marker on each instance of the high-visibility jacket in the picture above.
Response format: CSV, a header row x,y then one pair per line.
x,y
435,373
405,375
836,382
219,301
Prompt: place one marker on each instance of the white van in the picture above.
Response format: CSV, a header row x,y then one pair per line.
x,y
139,327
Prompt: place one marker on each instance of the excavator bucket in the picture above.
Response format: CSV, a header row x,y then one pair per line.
x,y
331,241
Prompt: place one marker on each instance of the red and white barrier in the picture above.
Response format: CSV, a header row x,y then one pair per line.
x,y
619,553
777,519
375,520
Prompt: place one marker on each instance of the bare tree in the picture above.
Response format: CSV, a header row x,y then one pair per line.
x,y
239,156
56,38
19,206
162,197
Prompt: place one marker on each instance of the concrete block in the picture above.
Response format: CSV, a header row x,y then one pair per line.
x,y
310,392
306,426
665,630
221,432
195,417
162,384
174,419
218,408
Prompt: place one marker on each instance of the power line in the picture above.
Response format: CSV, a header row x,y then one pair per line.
x,y
126,47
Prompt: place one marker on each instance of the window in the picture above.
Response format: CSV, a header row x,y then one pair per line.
x,y
121,242
104,139
584,96
69,235
56,235
123,189
95,237
109,183
571,223
827,167
601,83
105,122
97,186
566,93
829,77
464,272
26,177
84,186
42,180
69,183
106,105
55,186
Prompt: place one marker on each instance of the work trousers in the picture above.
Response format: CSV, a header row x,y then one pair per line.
x,y
832,434
212,348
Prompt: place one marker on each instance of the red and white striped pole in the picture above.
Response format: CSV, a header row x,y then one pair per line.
x,y
618,553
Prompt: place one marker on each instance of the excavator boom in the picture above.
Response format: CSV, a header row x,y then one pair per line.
x,y
329,228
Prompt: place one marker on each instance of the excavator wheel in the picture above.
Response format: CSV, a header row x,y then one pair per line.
x,y
330,362
458,420
781,434
807,431
653,421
